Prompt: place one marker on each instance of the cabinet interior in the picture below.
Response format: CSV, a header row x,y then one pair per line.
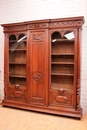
x,y
62,62
17,59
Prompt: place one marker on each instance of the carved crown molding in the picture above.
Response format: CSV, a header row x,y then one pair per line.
x,y
51,23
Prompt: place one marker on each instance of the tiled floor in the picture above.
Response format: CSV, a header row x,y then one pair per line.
x,y
15,119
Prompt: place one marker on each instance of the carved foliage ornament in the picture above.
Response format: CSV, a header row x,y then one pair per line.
x,y
37,37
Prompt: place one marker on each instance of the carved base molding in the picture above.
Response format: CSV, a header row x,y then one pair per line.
x,y
57,111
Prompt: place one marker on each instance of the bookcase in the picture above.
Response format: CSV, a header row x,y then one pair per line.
x,y
42,66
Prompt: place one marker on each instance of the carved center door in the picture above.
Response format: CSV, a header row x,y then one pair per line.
x,y
38,67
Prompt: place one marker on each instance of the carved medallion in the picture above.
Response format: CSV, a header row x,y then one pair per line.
x,y
37,77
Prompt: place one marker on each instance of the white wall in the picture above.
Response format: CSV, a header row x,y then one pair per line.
x,y
12,11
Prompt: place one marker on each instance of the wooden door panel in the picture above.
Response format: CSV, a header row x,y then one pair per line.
x,y
38,70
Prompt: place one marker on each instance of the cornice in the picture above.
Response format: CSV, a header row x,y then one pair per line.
x,y
43,24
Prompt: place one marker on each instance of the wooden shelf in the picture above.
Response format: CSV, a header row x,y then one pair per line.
x,y
12,40
61,40
19,63
67,54
62,74
17,41
18,76
69,63
17,49
19,85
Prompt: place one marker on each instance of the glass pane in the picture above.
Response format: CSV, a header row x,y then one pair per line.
x,y
17,60
62,60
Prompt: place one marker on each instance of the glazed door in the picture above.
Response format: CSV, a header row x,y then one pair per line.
x,y
63,68
39,67
16,68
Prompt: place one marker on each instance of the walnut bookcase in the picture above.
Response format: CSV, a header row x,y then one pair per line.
x,y
42,66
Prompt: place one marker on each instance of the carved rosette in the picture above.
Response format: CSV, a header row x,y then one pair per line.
x,y
37,77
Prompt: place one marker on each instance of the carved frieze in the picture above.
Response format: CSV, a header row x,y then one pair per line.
x,y
25,27
39,25
66,23
15,28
